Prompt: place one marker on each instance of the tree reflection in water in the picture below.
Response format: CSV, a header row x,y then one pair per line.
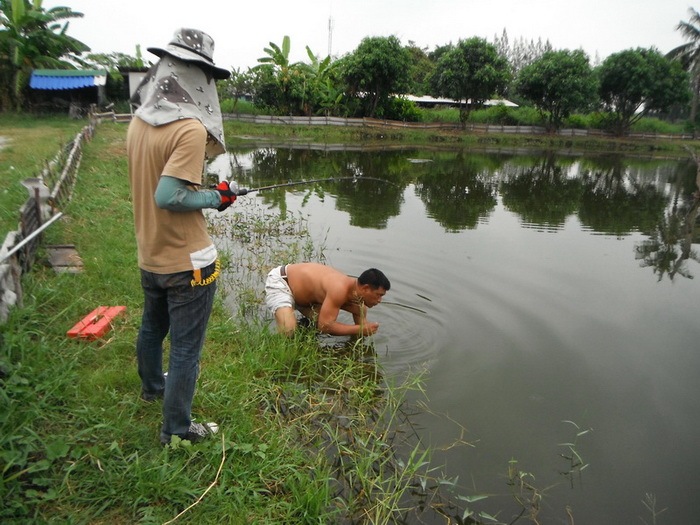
x,y
460,189
669,245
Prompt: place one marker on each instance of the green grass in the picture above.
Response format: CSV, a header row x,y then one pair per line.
x,y
25,148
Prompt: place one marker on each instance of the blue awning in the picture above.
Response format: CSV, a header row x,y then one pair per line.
x,y
67,78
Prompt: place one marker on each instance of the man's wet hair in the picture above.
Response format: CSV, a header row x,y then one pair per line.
x,y
375,278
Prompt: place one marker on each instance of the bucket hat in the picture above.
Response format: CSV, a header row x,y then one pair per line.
x,y
192,45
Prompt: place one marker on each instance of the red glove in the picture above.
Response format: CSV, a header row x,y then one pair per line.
x,y
228,195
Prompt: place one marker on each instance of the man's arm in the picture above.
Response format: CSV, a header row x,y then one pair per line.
x,y
359,312
173,194
328,319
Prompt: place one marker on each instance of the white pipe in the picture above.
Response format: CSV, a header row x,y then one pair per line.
x,y
31,236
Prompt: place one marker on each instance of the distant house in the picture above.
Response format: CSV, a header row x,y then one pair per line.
x,y
71,88
134,75
431,102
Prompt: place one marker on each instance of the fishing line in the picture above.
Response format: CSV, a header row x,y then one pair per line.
x,y
246,191
389,303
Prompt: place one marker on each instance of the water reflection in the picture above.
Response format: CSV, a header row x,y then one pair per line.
x,y
609,194
616,202
669,245
458,191
543,194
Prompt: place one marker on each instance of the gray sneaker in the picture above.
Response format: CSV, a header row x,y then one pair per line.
x,y
200,431
197,432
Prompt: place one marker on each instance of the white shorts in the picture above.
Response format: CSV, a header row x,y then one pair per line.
x,y
277,291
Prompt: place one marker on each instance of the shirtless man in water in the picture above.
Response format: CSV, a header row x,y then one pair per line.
x,y
319,292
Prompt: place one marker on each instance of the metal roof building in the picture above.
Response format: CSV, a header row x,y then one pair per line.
x,y
427,100
67,78
72,88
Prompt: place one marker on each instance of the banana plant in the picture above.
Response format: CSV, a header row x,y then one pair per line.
x,y
33,37
278,57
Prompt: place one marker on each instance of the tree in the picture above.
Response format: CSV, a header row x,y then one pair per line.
x,y
689,55
558,83
273,77
292,88
278,56
116,88
471,73
33,37
113,61
520,53
237,86
436,54
377,70
281,85
638,81
325,91
422,68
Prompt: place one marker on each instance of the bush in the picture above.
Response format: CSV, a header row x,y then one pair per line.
x,y
527,116
441,114
601,120
401,109
654,125
500,114
506,116
229,105
577,121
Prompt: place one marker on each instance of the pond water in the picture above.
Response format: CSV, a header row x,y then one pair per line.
x,y
549,298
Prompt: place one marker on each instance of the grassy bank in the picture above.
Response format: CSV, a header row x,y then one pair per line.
x,y
243,133
308,433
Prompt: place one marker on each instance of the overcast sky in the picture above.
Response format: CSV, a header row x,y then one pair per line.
x,y
242,30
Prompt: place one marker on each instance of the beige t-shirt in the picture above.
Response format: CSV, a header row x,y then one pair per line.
x,y
168,241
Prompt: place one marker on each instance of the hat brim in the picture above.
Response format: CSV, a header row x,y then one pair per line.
x,y
184,54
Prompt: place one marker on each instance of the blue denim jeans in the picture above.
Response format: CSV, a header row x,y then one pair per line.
x,y
172,305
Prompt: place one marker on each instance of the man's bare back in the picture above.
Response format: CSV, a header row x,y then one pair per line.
x,y
312,283
320,292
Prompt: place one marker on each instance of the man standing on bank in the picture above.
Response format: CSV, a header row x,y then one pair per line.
x,y
319,292
176,127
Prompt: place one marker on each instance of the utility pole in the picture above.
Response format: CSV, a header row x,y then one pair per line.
x,y
330,35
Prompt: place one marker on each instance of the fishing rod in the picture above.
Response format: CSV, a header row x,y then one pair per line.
x,y
246,191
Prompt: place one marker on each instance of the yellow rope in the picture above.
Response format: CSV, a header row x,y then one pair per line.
x,y
211,278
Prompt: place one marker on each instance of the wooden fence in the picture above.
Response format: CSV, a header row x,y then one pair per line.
x,y
49,191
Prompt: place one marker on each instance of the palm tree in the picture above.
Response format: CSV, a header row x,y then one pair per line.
x,y
33,37
689,55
